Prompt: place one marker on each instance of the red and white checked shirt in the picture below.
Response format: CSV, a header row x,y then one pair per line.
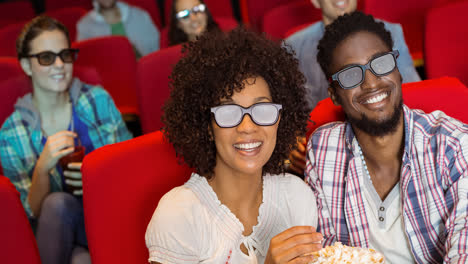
x,y
433,186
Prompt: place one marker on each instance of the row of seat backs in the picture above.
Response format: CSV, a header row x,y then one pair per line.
x,y
113,59
281,18
22,10
9,33
123,182
70,17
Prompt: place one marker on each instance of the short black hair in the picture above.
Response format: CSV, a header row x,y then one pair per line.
x,y
343,27
215,67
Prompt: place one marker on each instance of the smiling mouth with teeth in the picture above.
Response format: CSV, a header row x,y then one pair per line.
x,y
376,99
340,4
248,146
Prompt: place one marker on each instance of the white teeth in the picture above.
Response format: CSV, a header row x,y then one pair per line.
x,y
58,76
248,146
340,3
376,99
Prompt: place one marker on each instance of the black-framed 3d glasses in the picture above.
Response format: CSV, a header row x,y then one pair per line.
x,y
184,14
47,58
231,115
353,75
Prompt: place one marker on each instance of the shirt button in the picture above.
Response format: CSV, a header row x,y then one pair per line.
x,y
382,208
381,219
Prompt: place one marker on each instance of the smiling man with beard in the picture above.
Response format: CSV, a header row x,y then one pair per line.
x,y
389,178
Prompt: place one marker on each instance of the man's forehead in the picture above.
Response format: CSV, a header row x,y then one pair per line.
x,y
358,48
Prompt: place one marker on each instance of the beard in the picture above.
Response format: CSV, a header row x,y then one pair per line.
x,y
376,127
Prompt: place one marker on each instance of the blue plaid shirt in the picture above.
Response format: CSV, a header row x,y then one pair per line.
x,y
21,134
433,186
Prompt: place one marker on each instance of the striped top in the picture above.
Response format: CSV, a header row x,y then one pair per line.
x,y
433,186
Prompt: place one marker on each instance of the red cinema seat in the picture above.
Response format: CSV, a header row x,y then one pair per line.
x,y
114,59
218,8
122,185
410,14
281,19
8,36
15,11
13,84
256,9
17,241
69,17
446,42
58,4
149,6
225,23
153,85
446,94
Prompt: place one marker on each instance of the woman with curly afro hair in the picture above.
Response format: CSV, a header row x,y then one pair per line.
x,y
235,110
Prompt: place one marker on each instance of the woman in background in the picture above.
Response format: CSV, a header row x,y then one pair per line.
x,y
45,126
189,19
235,110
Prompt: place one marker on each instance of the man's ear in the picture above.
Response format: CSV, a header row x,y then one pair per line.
x,y
26,66
316,3
333,96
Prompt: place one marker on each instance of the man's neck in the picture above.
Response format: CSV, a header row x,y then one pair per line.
x,y
383,157
111,15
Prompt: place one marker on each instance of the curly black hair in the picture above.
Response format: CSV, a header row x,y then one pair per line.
x,y
343,27
177,35
215,67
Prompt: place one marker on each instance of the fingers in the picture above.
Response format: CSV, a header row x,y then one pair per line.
x,y
298,156
301,144
298,162
72,174
294,231
64,133
303,140
63,152
61,140
74,165
78,192
74,183
303,260
297,248
296,170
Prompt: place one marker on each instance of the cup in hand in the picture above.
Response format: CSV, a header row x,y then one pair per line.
x,y
76,156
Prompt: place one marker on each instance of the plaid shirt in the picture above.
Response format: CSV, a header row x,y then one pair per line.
x,y
21,134
433,186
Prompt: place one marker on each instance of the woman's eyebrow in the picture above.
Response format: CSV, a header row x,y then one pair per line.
x,y
258,99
